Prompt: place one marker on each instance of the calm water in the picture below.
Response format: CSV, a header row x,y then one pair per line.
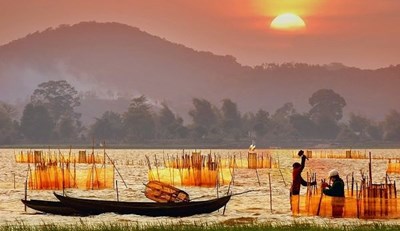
x,y
249,207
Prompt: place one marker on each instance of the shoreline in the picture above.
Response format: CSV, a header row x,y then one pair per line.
x,y
225,226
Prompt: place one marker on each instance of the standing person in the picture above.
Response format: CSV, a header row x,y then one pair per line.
x,y
297,179
336,191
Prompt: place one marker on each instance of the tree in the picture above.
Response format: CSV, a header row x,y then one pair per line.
x,y
281,127
67,129
170,125
358,123
261,123
327,110
257,125
391,126
205,118
328,104
283,113
375,131
36,123
138,121
346,135
230,118
7,126
59,97
303,125
364,128
109,127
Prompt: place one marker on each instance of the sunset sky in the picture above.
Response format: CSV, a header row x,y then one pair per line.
x,y
360,33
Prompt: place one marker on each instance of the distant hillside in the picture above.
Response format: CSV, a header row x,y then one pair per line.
x,y
113,59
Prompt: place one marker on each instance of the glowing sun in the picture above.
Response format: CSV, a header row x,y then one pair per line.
x,y
288,21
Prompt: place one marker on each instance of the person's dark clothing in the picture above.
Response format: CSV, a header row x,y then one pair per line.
x,y
297,179
337,188
336,191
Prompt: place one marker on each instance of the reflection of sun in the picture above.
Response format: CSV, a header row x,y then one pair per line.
x,y
288,21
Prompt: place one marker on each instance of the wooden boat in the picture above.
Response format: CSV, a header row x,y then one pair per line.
x,y
53,207
181,209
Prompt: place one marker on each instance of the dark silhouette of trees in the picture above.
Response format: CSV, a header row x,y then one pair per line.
x,y
326,103
231,121
364,128
359,124
50,117
169,125
8,126
260,123
59,97
67,129
36,123
391,126
108,127
139,121
347,136
327,110
205,119
281,127
302,124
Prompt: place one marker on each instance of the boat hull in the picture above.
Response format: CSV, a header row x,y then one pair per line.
x,y
182,209
52,207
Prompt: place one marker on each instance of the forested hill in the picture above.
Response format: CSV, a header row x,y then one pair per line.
x,y
113,60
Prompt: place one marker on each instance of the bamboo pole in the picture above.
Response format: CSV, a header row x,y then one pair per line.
x,y
358,201
320,199
112,162
352,183
217,183
270,192
308,184
279,167
218,161
233,169
63,180
229,187
116,188
26,192
156,163
104,164
258,178
370,169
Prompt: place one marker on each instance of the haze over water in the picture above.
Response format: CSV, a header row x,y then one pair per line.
x,y
249,207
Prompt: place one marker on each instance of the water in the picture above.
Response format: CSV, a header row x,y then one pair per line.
x,y
249,207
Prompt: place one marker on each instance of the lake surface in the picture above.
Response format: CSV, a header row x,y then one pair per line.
x,y
249,207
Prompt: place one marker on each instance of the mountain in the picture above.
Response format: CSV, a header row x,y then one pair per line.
x,y
114,61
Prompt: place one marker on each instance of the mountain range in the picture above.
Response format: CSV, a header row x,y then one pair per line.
x,y
109,63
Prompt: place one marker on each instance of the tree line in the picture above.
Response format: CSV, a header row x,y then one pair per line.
x,y
50,118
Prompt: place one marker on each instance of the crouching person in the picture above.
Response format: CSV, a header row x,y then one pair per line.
x,y
336,191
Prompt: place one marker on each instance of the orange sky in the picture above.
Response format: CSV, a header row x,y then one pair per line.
x,y
361,33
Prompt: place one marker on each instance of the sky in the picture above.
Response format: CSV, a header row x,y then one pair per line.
x,y
359,33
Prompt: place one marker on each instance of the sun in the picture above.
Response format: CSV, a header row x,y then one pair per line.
x,y
288,21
